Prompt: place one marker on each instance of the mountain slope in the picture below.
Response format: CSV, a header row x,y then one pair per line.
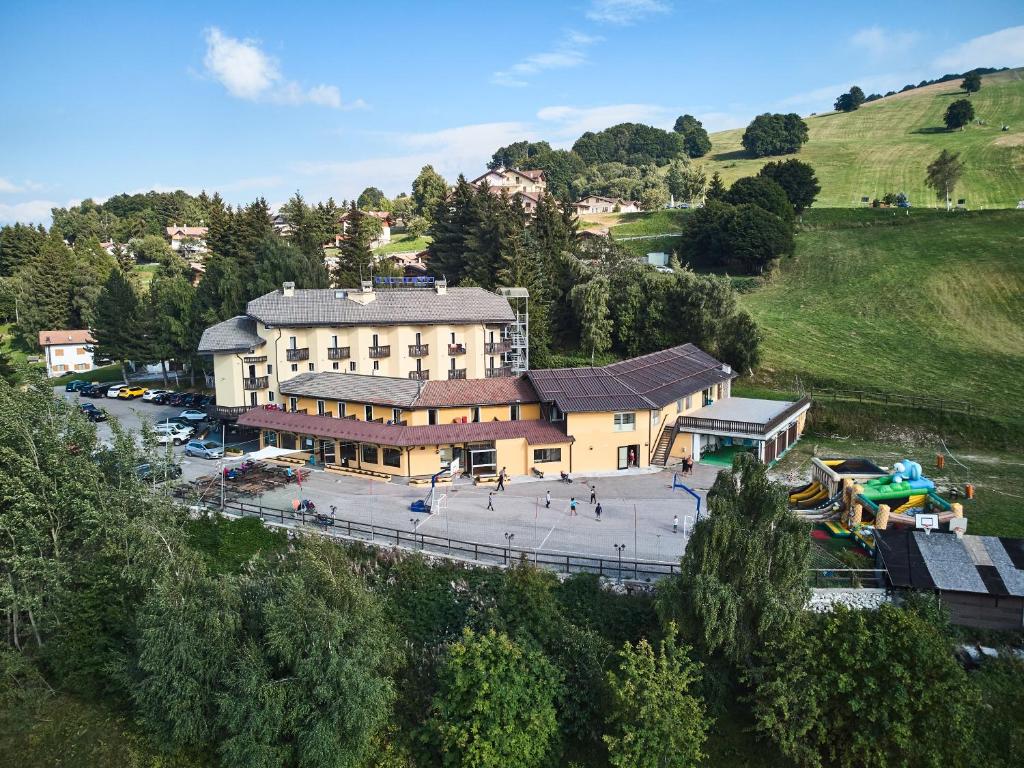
x,y
886,145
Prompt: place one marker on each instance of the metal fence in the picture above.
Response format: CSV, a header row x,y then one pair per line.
x,y
927,402
851,578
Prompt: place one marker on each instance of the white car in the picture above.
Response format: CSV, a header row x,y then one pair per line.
x,y
113,391
193,415
151,393
175,434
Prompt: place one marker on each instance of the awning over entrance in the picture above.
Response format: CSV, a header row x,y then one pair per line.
x,y
264,453
743,416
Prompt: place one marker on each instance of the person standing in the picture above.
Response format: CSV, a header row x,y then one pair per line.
x,y
631,461
572,506
675,523
597,511
501,480
547,499
490,500
593,494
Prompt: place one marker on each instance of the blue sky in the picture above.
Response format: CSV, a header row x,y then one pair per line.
x,y
262,98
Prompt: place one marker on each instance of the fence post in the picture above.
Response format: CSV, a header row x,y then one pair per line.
x,y
476,551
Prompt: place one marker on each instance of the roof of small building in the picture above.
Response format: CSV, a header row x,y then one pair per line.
x,y
536,432
456,392
187,231
941,560
641,383
54,338
330,307
237,334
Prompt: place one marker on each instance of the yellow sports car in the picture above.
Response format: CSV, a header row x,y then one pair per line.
x,y
130,393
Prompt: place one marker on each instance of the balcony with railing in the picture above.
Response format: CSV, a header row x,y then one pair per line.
x,y
456,373
379,352
497,373
254,360
256,382
419,375
456,349
496,347
294,355
339,353
419,350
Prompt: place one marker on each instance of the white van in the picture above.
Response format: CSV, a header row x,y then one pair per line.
x,y
112,392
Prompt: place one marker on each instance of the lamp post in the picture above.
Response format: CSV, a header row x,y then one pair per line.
x,y
619,548
508,545
414,523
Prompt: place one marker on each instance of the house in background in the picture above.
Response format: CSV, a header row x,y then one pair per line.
x,y
187,239
384,217
527,186
593,204
67,351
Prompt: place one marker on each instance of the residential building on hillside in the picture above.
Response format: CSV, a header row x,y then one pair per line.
x,y
416,329
67,351
187,239
529,186
644,411
384,217
597,204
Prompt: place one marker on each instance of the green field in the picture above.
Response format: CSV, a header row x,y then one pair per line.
x,y
930,304
403,243
886,145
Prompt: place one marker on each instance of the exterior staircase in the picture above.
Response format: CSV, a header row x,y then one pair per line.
x,y
664,445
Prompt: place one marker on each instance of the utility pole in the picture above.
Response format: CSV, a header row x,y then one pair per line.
x,y
619,548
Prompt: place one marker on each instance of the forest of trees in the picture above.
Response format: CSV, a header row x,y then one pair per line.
x,y
221,643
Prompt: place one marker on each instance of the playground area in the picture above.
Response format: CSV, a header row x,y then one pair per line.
x,y
638,509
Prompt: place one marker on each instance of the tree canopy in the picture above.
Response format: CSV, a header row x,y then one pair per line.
x,y
372,199
775,134
971,82
958,114
696,142
943,174
629,143
763,192
797,180
850,100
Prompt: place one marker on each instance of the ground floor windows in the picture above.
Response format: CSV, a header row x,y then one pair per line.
x,y
326,452
270,439
369,453
392,457
541,455
288,441
348,453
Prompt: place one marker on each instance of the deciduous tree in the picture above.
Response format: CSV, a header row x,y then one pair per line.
x,y
763,192
429,189
943,174
775,134
971,82
958,114
797,180
696,142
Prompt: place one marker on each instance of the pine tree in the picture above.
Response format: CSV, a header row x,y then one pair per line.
x,y
716,188
44,288
452,220
19,244
355,257
118,322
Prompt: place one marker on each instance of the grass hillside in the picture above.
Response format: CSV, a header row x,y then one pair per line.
x,y
886,145
931,303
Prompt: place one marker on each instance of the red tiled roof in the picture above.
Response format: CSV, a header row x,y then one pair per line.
x,y
446,393
50,338
536,432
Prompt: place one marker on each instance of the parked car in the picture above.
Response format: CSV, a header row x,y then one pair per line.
x,y
193,415
181,421
161,399
152,394
115,389
158,472
130,393
205,449
99,390
176,434
176,398
195,400
208,400
92,413
75,385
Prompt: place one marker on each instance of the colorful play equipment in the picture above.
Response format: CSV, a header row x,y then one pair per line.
x,y
854,497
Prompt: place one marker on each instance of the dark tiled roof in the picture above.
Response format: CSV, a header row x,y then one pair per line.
x,y
446,393
326,307
354,387
641,383
235,335
536,432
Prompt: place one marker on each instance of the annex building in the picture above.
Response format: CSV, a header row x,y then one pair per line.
x,y
402,381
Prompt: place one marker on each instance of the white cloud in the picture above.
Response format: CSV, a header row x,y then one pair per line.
x,y
8,186
567,122
28,212
1004,48
246,72
624,12
882,43
569,52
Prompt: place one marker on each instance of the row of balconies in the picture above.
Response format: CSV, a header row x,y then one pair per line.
x,y
263,382
375,353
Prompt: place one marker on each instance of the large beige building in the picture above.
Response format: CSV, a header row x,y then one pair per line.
x,y
419,330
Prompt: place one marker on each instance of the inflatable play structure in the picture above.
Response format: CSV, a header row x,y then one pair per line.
x,y
853,497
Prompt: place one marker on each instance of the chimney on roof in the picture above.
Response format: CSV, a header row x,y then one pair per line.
x,y
365,293
726,369
441,286
288,289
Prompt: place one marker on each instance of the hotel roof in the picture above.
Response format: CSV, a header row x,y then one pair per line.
x,y
235,335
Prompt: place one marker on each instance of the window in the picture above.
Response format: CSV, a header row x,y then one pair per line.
x,y
320,408
293,343
270,396
369,454
554,414
334,365
513,412
679,406
295,367
689,402
58,352
718,391
490,337
375,338
368,412
252,399
541,455
341,410
293,404
376,365
491,363
432,416
288,441
624,422
270,439
352,367
475,411
334,342
453,337
312,366
270,370
82,350
392,457
418,337
396,415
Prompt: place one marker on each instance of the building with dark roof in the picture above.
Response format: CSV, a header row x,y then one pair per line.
x,y
980,579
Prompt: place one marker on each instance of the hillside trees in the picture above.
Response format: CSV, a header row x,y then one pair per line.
x,y
775,134
850,100
943,174
696,142
629,143
119,320
958,114
763,192
971,83
19,244
560,167
739,342
590,300
355,256
372,199
746,237
518,154
44,285
429,190
686,182
797,180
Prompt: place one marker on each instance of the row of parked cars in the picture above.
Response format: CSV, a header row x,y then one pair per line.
x,y
133,392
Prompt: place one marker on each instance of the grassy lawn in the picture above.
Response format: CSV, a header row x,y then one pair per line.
x,y
13,347
402,243
144,273
649,223
886,145
105,374
929,303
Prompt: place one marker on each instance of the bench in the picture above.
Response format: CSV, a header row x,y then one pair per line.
x,y
357,472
